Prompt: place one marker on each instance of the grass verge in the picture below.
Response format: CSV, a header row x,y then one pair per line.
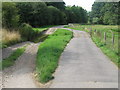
x,y
25,33
40,38
114,56
40,29
11,59
49,52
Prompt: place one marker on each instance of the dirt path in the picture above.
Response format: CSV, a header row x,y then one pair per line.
x,y
7,51
83,65
20,75
50,31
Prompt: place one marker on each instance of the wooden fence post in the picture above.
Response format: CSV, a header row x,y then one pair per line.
x,y
91,32
105,37
95,31
113,38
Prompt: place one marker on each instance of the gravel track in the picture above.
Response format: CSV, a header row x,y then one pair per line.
x,y
20,75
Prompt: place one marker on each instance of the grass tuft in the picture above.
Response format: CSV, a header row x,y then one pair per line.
x,y
11,59
9,37
49,52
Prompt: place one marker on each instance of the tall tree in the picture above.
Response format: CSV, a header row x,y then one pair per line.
x,y
25,12
105,13
96,13
10,17
76,14
40,14
59,5
110,11
56,16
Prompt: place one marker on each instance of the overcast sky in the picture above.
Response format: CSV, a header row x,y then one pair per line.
x,y
86,4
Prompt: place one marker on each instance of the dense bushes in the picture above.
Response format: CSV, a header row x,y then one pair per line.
x,y
49,52
56,13
56,17
27,31
39,14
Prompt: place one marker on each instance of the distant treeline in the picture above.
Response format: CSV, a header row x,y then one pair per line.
x,y
105,13
56,13
39,13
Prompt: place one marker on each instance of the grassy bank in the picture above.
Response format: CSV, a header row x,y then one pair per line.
x,y
49,52
108,48
26,32
112,54
9,37
11,59
40,38
40,29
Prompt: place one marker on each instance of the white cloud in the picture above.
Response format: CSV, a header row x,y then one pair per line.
x,y
86,4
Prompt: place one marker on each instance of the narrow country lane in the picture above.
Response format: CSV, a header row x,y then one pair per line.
x,y
83,65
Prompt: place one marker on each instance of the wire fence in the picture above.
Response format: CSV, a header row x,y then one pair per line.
x,y
108,38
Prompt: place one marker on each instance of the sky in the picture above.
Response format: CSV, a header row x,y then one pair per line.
x,y
86,4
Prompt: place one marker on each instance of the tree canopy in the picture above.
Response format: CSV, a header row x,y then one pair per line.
x,y
56,13
104,13
40,13
10,17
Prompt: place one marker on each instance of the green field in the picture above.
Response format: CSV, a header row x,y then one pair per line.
x,y
97,34
40,29
49,52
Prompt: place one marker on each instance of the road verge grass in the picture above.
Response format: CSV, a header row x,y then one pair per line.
x,y
43,28
12,58
49,52
40,37
114,56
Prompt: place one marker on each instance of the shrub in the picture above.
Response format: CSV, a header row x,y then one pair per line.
x,y
27,32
